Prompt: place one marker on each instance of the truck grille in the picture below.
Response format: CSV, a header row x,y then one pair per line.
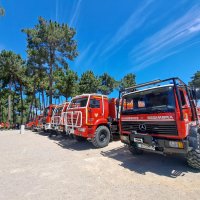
x,y
156,127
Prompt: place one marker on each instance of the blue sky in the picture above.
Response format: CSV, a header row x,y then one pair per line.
x,y
151,38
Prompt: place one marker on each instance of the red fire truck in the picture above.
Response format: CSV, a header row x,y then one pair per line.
x,y
48,112
38,124
1,125
57,121
92,116
163,118
30,125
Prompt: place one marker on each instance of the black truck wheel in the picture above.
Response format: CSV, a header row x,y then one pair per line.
x,y
134,150
79,138
32,128
193,159
101,137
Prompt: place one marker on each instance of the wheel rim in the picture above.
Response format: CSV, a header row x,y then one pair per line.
x,y
103,136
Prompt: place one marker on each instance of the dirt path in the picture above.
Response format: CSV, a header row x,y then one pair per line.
x,y
33,166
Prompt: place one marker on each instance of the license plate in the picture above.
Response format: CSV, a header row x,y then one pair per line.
x,y
146,146
138,140
71,131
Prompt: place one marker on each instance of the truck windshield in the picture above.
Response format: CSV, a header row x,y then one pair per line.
x,y
149,101
79,103
58,111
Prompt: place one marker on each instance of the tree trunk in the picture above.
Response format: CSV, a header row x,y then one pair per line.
x,y
9,108
30,110
51,62
1,106
36,106
13,110
51,86
9,104
31,106
2,114
43,100
40,106
22,104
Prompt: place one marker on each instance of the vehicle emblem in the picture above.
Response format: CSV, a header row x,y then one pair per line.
x,y
142,127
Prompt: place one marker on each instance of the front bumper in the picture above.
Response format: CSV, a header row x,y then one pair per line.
x,y
47,126
84,131
58,128
154,144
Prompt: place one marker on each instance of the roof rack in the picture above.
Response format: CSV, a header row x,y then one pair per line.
x,y
82,95
175,79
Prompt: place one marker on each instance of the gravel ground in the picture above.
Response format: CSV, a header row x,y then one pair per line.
x,y
33,166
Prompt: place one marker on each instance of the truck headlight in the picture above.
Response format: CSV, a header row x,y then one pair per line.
x,y
81,129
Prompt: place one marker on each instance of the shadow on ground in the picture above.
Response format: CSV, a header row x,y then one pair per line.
x,y
171,165
74,145
41,133
68,142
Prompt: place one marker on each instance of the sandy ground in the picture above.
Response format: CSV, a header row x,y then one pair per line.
x,y
33,166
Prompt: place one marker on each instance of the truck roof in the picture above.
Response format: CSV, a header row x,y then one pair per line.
x,y
63,104
51,105
160,86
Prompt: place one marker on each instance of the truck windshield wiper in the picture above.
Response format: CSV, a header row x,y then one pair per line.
x,y
159,110
164,108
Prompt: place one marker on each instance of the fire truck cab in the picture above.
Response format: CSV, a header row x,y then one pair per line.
x,y
38,124
57,122
47,115
30,125
92,116
163,118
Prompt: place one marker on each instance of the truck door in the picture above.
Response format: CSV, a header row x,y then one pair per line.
x,y
95,110
187,114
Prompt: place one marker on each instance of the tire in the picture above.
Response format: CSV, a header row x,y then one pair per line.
x,y
101,137
79,138
52,132
135,150
193,159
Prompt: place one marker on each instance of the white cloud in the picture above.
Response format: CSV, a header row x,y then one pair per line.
x,y
159,57
57,9
135,21
196,26
75,15
167,41
84,54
